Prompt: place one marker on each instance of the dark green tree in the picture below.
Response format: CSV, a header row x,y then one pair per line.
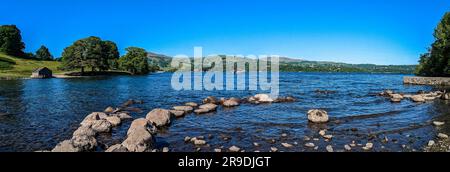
x,y
91,52
135,61
11,40
43,53
437,61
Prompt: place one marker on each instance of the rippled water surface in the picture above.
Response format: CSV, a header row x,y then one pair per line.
x,y
37,114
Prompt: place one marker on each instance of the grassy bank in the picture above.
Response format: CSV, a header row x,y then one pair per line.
x,y
14,68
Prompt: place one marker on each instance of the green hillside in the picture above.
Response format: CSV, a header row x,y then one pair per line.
x,y
13,67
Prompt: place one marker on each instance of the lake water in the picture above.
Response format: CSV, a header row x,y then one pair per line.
x,y
37,114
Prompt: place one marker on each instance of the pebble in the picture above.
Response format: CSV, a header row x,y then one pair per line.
x,y
284,135
368,146
330,148
442,136
217,150
329,137
306,138
165,149
187,139
316,148
286,145
347,148
274,149
438,123
256,144
431,143
322,132
199,142
310,145
234,149
316,139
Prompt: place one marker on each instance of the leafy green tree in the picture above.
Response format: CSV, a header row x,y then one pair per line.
x,y
11,40
135,61
91,52
43,53
437,61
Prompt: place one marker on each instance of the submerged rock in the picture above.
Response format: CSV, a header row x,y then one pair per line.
x,y
287,145
318,116
159,117
263,98
310,145
206,108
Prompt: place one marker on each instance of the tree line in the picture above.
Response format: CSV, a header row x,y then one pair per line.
x,y
90,53
436,62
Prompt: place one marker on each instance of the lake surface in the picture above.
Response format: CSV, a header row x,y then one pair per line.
x,y
38,114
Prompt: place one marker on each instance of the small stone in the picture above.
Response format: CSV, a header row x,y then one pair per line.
x,y
330,148
109,110
274,149
256,144
165,149
186,109
217,150
322,132
329,137
368,146
287,145
199,142
347,148
316,148
187,139
318,116
316,139
310,145
234,149
431,143
306,138
438,123
192,104
442,136
177,113
284,135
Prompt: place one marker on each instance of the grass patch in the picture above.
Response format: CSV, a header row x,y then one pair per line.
x,y
13,67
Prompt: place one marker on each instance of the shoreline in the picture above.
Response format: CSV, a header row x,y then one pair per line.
x,y
434,81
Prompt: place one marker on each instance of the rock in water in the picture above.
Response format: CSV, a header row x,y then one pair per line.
x,y
206,108
347,148
287,145
114,120
84,143
438,123
230,103
310,145
117,148
109,110
186,109
191,104
101,126
329,148
84,131
178,113
442,136
234,149
445,96
159,117
263,98
318,116
418,98
431,143
210,99
139,136
66,146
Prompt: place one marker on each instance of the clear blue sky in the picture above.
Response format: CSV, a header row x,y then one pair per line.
x,y
354,31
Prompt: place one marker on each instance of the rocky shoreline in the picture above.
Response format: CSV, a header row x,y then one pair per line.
x,y
142,133
437,81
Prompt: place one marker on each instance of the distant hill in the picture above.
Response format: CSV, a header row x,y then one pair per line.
x,y
298,65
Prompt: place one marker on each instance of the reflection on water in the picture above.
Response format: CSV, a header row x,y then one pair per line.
x,y
37,114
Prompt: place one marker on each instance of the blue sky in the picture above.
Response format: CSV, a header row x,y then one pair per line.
x,y
353,31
